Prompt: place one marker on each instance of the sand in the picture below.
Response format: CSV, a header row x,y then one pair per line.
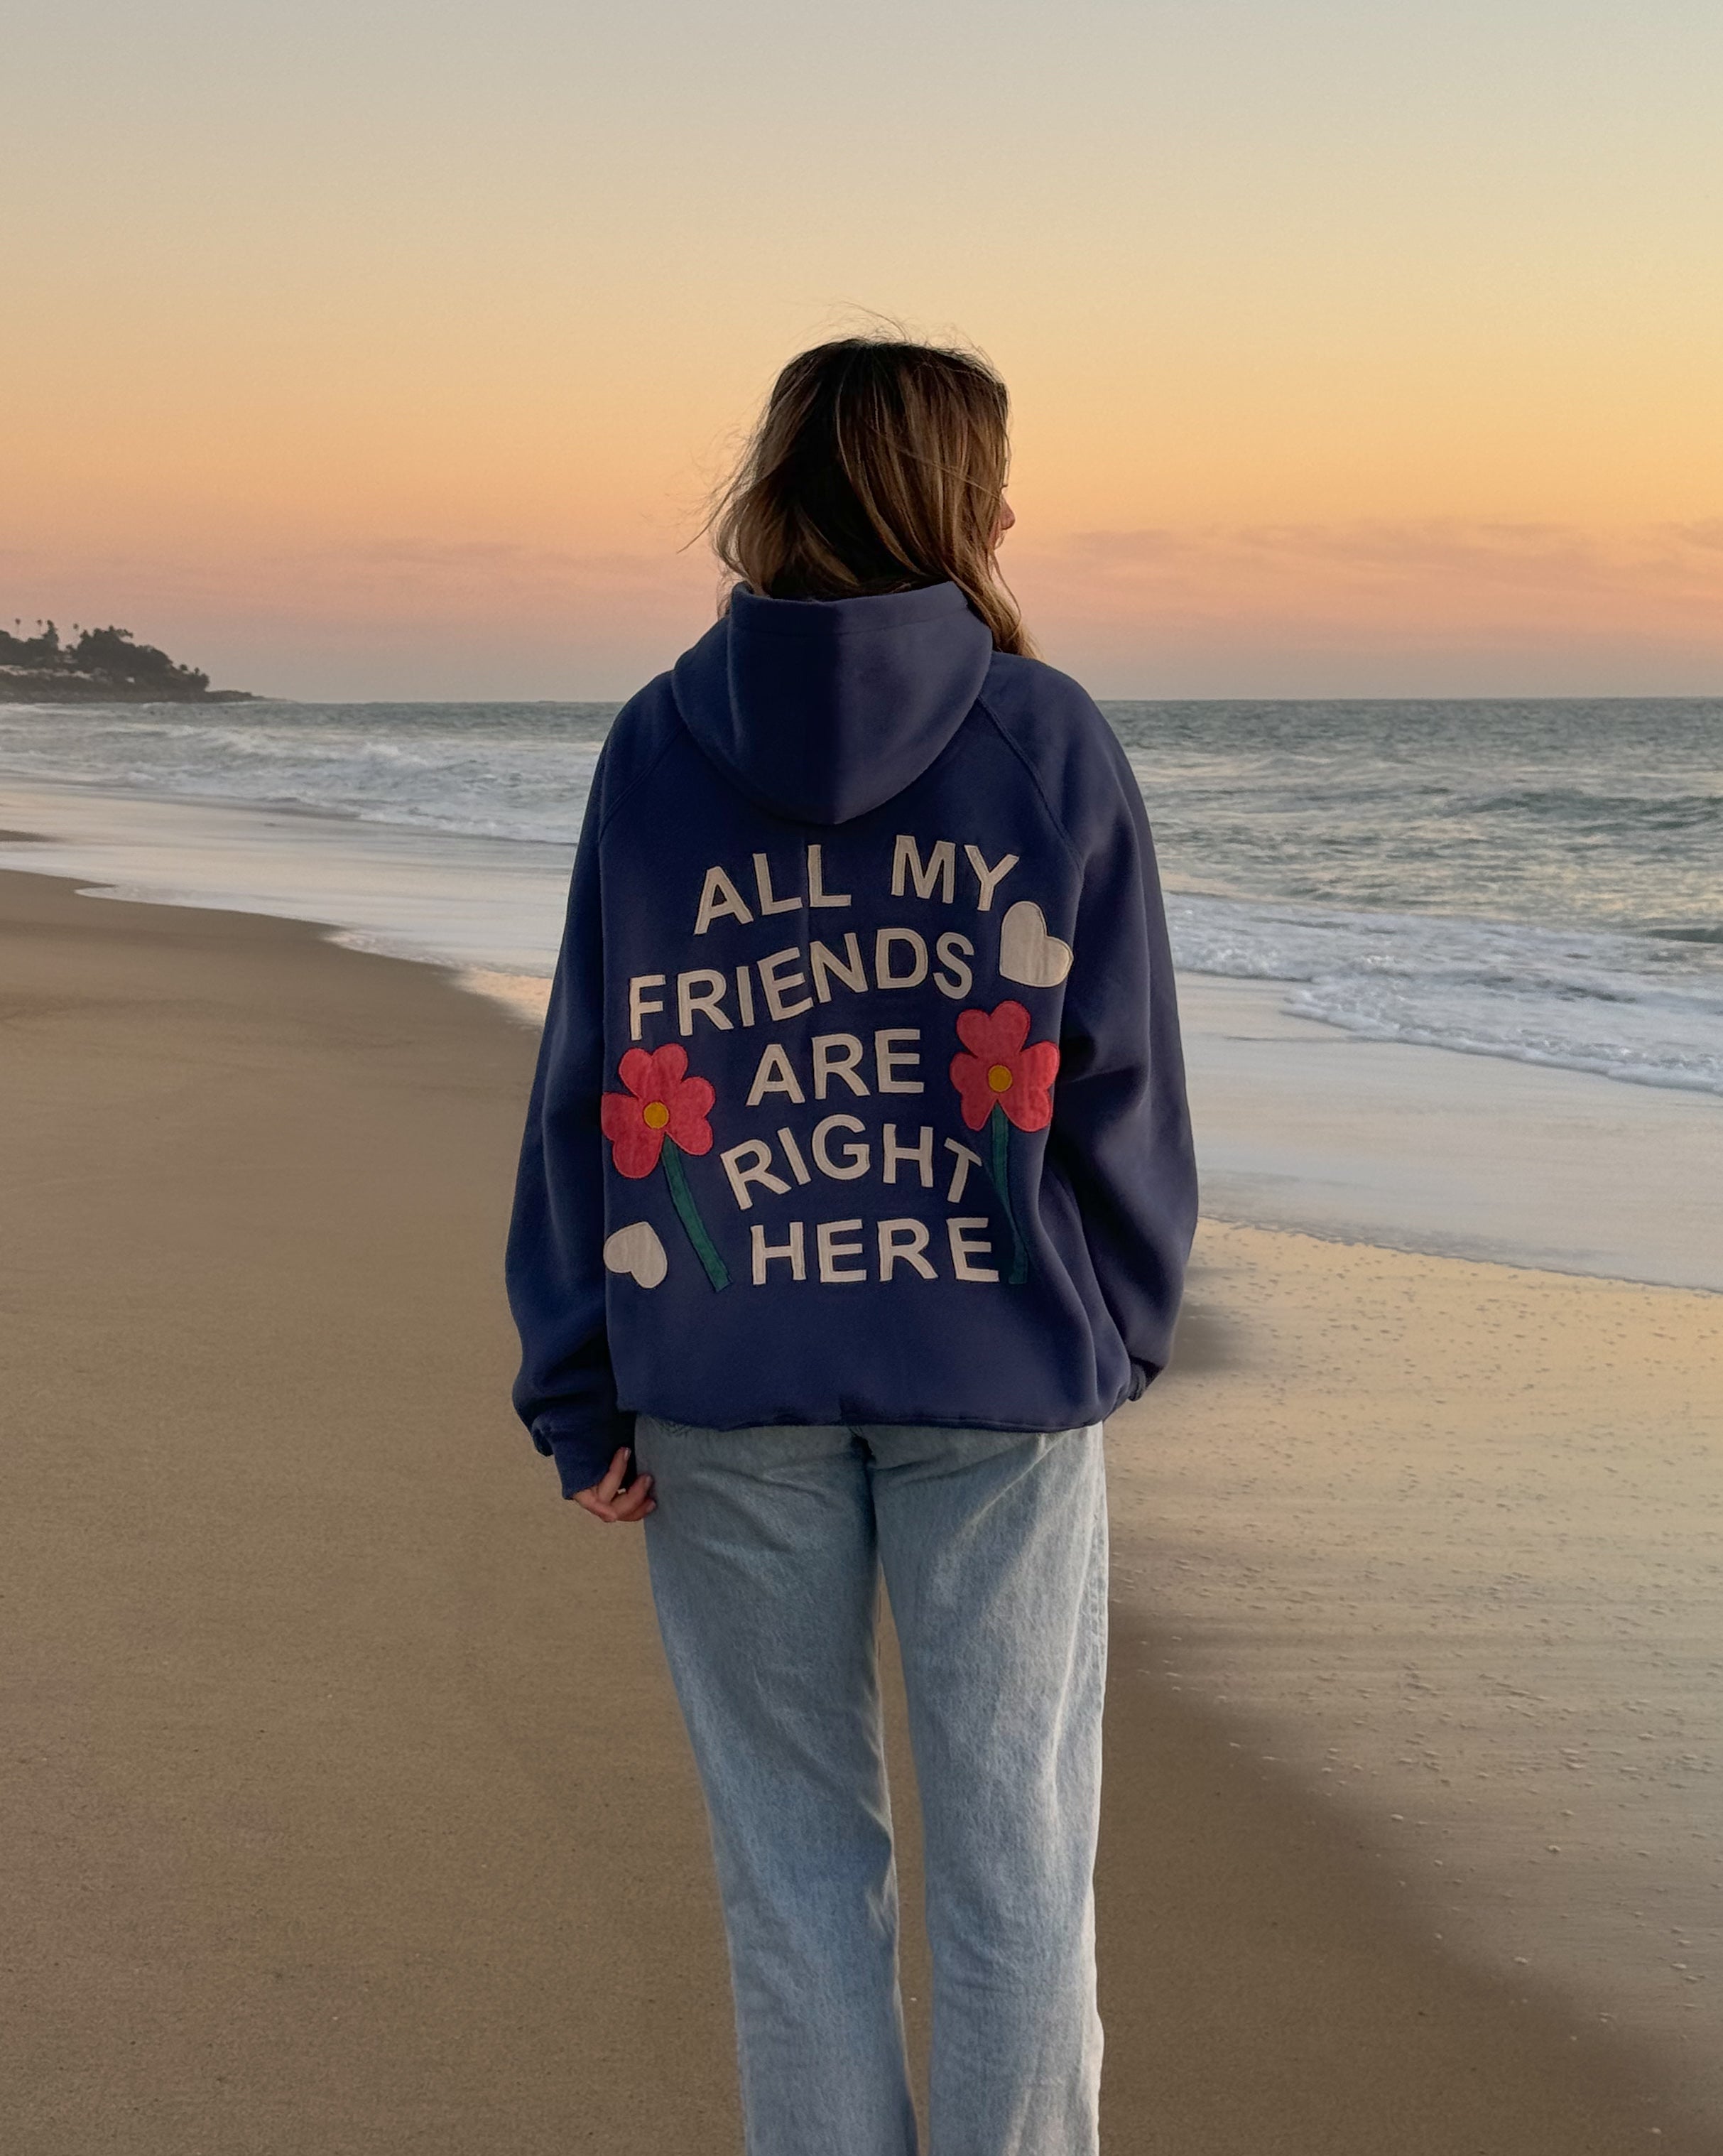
x,y
1441,1540
347,1807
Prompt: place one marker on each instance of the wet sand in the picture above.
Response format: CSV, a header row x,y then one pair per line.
x,y
1441,1540
347,1807
1424,1149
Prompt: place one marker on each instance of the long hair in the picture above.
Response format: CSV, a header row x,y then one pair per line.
x,y
878,465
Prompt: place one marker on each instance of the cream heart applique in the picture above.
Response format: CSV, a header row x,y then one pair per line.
x,y
637,1250
1027,952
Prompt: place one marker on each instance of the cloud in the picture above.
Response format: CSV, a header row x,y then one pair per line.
x,y
1421,543
1424,577
505,557
1348,606
469,582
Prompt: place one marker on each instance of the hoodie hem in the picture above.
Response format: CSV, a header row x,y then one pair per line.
x,y
1078,1418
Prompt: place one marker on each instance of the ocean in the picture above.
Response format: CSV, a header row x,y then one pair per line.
x,y
1537,881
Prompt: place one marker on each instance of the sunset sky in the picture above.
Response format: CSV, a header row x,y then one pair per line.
x,y
364,348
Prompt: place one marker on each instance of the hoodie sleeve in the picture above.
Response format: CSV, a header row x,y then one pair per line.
x,y
1121,1133
566,1392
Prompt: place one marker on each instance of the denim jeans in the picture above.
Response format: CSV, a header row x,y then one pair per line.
x,y
766,1552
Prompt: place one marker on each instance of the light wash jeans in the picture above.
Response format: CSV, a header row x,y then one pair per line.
x,y
766,1552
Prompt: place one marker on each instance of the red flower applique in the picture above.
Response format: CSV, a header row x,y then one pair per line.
x,y
661,1101
999,1071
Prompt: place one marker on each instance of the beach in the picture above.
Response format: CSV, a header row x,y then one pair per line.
x,y
351,1807
1158,607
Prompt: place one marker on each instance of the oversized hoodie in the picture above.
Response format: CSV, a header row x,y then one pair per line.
x,y
860,1098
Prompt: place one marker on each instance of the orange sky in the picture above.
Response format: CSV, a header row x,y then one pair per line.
x,y
377,349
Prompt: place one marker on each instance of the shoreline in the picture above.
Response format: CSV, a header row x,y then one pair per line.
x,y
1301,1125
317,1758
79,693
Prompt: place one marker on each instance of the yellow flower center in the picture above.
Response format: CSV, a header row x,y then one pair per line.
x,y
999,1078
654,1115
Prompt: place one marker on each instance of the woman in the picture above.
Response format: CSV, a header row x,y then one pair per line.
x,y
856,1191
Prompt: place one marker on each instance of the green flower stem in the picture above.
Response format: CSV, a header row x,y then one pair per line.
x,y
705,1249
999,1170
689,1213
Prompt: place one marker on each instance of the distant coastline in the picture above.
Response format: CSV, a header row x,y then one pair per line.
x,y
102,666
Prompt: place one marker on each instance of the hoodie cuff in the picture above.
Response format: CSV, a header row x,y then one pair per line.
x,y
583,1456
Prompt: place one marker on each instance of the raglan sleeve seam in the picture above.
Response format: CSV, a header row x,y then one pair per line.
x,y
607,815
1073,855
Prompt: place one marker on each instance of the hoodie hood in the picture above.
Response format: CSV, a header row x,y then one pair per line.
x,y
822,709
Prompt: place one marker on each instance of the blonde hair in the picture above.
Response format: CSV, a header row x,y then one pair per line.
x,y
878,465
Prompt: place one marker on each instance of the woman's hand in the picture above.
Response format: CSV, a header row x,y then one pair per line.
x,y
607,1501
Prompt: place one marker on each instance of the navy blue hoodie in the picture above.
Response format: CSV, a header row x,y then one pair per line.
x,y
860,1098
